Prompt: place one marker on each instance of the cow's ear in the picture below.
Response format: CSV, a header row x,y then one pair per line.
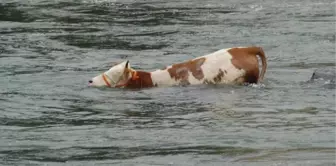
x,y
127,65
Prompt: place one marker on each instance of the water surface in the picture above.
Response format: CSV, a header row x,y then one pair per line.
x,y
50,49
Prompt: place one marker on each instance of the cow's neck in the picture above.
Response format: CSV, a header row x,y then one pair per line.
x,y
141,79
155,78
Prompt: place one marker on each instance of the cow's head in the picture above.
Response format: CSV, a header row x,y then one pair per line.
x,y
116,76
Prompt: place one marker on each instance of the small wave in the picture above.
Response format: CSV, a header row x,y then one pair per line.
x,y
10,12
149,34
306,110
46,121
46,30
256,7
106,42
87,153
279,154
42,69
100,2
304,65
258,86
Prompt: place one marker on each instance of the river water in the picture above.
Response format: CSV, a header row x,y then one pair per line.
x,y
50,49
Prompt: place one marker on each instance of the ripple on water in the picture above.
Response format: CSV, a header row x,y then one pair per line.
x,y
87,153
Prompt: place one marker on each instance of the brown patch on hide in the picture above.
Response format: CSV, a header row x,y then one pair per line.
x,y
219,76
246,59
143,80
181,71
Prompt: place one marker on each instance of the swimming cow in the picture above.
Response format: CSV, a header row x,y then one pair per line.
x,y
226,66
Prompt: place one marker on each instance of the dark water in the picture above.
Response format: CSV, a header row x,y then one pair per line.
x,y
49,50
